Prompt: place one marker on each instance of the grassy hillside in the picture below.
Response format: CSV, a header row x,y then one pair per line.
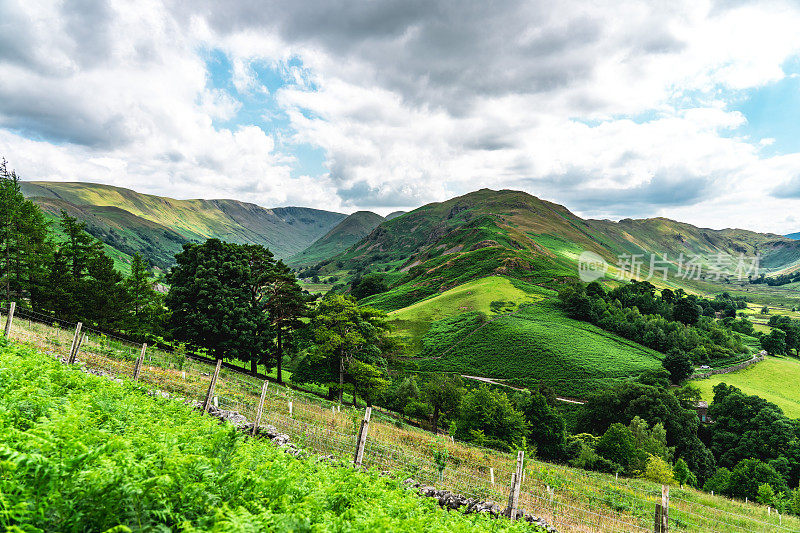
x,y
348,232
120,230
285,231
513,233
537,344
80,453
490,296
777,379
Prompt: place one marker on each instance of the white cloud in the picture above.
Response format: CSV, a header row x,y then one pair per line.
x,y
613,108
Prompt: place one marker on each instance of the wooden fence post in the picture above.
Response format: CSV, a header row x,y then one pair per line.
x,y
75,339
138,366
516,483
362,438
491,474
260,409
11,307
664,508
657,519
211,386
77,348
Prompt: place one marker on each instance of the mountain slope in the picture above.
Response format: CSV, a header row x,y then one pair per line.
x,y
284,230
348,232
441,245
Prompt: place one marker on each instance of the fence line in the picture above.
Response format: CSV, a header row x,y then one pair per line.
x,y
570,499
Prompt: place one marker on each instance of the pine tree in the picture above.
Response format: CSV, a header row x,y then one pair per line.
x,y
285,304
24,241
345,332
144,300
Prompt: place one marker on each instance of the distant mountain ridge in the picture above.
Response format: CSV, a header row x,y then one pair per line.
x,y
349,231
444,244
157,226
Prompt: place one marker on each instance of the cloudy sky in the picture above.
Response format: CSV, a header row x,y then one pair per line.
x,y
615,109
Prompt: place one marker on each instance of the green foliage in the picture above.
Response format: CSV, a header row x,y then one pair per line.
x,y
367,286
444,393
635,312
766,494
344,333
719,482
750,428
25,246
775,342
654,405
749,475
545,426
490,412
440,455
146,304
617,445
683,475
79,453
678,364
658,471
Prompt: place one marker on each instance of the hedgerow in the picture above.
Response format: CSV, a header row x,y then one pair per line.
x,y
83,453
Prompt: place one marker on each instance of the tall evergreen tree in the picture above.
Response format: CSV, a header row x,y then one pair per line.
x,y
285,304
144,300
344,333
24,242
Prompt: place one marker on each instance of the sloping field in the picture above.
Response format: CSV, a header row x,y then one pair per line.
x,y
776,379
80,454
205,474
540,343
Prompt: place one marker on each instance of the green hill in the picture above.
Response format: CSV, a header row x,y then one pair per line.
x,y
469,281
440,245
348,232
157,226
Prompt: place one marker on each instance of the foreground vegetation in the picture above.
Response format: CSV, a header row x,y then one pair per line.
x,y
79,452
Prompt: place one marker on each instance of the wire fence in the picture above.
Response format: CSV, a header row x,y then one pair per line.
x,y
568,498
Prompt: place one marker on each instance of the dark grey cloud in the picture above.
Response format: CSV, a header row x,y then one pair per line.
x,y
39,114
362,193
669,187
446,53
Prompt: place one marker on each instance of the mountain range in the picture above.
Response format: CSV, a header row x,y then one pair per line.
x,y
157,227
470,284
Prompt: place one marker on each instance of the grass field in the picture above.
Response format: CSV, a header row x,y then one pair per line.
x,y
777,379
540,343
413,322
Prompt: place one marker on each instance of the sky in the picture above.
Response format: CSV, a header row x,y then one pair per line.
x,y
615,109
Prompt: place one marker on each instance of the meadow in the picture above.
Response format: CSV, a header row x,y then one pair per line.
x,y
540,343
491,295
776,379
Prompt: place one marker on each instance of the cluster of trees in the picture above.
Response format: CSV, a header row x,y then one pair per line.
x,y
65,271
667,322
784,337
482,415
775,281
